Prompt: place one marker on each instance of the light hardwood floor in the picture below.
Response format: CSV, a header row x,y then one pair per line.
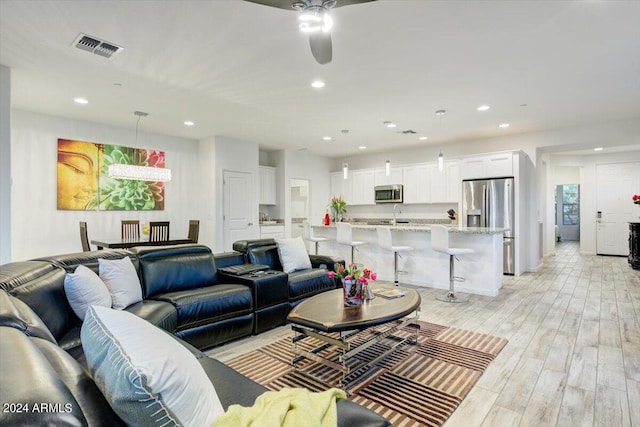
x,y
573,357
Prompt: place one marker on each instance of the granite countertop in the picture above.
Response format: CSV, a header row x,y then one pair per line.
x,y
426,228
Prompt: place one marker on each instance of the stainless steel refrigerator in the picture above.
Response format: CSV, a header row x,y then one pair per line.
x,y
489,203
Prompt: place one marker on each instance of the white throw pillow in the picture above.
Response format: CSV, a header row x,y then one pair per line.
x,y
293,254
147,376
83,288
121,279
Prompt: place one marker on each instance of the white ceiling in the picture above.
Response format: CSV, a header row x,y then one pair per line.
x,y
243,70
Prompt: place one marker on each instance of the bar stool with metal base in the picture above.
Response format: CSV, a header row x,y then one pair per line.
x,y
385,242
307,234
440,243
344,236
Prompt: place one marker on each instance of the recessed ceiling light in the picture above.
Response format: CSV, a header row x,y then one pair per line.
x,y
598,149
423,138
390,124
503,125
317,84
362,147
483,108
327,138
80,101
189,123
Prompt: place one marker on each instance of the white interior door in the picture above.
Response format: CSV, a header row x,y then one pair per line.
x,y
238,207
616,184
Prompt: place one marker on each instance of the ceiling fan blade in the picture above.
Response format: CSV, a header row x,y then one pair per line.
x,y
280,4
321,47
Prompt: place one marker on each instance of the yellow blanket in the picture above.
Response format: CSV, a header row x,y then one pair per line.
x,y
289,407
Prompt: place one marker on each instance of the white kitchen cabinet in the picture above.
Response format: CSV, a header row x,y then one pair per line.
x,y
381,178
454,182
267,185
489,166
271,231
362,187
416,184
341,187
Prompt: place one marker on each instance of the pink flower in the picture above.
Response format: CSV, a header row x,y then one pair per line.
x,y
331,274
374,276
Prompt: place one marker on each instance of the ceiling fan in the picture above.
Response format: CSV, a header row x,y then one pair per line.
x,y
315,19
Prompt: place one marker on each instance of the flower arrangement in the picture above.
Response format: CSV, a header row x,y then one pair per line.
x,y
339,205
352,272
636,199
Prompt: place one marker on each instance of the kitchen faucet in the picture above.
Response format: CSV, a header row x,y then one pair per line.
x,y
395,206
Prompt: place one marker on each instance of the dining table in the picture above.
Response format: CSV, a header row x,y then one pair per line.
x,y
130,243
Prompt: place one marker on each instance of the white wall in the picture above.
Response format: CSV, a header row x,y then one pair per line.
x,y
39,229
5,164
207,192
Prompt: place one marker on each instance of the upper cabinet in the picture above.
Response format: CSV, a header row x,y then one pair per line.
x,y
415,188
489,166
381,178
363,183
424,183
267,185
342,187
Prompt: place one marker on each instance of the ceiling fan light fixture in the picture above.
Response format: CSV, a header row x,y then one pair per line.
x,y
315,19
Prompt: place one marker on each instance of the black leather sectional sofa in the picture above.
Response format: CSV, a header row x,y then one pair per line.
x,y
185,292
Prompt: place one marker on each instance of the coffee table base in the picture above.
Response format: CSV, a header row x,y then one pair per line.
x,y
349,368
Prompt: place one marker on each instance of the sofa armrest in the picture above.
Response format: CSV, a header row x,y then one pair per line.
x,y
226,259
329,261
267,289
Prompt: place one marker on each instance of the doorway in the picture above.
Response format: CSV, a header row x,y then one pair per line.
x,y
568,212
238,205
299,194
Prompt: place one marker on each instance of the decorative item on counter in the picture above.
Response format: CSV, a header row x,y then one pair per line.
x,y
146,229
327,218
452,216
339,206
355,283
636,199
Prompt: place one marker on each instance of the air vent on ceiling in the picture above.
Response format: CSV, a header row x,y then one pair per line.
x,y
409,132
95,45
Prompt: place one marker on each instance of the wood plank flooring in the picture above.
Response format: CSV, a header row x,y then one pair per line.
x,y
573,357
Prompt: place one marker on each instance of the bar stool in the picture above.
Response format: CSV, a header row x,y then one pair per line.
x,y
344,236
440,243
307,234
385,242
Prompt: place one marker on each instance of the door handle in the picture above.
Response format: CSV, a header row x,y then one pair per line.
x,y
599,217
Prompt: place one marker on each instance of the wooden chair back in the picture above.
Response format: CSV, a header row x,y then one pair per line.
x,y
194,230
130,229
84,237
158,231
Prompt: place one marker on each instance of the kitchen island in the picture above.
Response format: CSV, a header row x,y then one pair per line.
x,y
482,270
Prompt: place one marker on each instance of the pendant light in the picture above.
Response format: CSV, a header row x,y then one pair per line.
x,y
387,168
345,170
440,113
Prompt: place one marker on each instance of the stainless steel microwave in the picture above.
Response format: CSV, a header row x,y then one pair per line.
x,y
388,193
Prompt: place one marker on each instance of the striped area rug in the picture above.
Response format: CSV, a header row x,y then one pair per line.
x,y
417,385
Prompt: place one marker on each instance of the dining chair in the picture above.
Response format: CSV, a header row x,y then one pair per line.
x,y
130,229
158,231
194,230
84,237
